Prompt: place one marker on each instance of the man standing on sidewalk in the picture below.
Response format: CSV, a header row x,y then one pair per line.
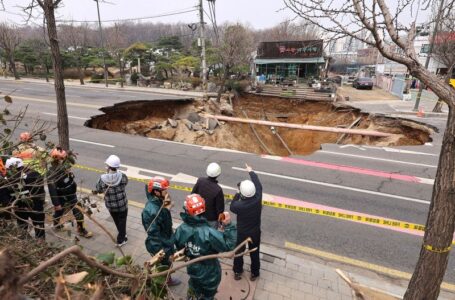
x,y
113,185
199,239
157,221
212,193
247,205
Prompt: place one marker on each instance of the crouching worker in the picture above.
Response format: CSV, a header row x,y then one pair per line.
x,y
62,190
200,239
157,221
26,189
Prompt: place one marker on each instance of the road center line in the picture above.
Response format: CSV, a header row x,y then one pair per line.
x,y
54,102
71,117
92,143
350,169
378,159
336,186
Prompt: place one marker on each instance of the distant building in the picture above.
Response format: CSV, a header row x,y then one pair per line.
x,y
289,59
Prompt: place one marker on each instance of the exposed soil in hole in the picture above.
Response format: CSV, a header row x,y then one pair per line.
x,y
178,120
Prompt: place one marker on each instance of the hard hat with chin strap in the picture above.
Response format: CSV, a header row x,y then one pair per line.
x,y
213,170
113,161
247,189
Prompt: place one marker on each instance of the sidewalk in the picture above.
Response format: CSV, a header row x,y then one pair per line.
x,y
191,94
284,274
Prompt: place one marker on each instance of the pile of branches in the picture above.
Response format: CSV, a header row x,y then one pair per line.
x,y
29,267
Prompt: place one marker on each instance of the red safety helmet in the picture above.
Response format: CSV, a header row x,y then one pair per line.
x,y
158,183
194,204
58,153
25,137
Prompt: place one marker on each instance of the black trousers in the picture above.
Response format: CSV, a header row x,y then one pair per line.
x,y
120,223
37,218
78,215
254,256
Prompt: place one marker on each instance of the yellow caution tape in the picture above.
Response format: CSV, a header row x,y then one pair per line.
x,y
307,210
437,250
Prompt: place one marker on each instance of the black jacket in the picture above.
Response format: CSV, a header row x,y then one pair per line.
x,y
213,195
29,188
62,186
248,210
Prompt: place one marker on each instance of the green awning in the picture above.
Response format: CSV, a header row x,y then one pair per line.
x,y
313,60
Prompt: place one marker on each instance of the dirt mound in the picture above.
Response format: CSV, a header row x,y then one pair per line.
x,y
178,120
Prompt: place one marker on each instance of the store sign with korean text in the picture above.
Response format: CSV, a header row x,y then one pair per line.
x,y
291,49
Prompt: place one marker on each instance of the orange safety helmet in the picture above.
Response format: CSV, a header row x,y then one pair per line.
x,y
25,137
58,153
194,204
157,183
2,168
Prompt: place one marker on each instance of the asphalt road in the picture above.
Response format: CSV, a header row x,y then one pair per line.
x,y
385,182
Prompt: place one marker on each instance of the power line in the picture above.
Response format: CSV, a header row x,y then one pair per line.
x,y
133,19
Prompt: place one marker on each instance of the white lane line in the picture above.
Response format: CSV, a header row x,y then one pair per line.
x,y
393,150
336,186
172,142
71,117
54,102
92,143
379,159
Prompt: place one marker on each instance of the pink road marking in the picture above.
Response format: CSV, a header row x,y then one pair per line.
x,y
350,169
299,203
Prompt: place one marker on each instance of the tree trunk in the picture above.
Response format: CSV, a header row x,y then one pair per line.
x,y
62,114
81,74
12,65
430,269
47,73
223,82
438,107
121,72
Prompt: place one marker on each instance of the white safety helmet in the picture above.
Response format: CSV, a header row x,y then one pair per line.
x,y
247,188
113,161
14,162
213,170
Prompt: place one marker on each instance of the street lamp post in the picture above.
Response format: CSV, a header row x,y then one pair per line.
x,y
102,42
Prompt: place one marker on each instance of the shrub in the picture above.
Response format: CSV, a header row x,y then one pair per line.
x,y
134,78
237,85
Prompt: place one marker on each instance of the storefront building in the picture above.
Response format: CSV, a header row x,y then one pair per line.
x,y
289,60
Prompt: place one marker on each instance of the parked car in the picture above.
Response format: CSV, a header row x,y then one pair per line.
x,y
363,83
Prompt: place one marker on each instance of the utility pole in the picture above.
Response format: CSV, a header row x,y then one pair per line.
x,y
202,44
102,42
430,51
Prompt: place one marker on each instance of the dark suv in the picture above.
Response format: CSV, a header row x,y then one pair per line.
x,y
363,83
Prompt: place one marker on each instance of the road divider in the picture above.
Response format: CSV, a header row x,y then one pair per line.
x,y
307,208
350,169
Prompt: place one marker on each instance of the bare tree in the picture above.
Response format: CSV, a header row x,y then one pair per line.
x,y
444,49
288,31
235,49
76,39
10,38
385,26
116,43
48,8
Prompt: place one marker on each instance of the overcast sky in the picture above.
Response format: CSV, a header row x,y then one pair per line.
x,y
258,13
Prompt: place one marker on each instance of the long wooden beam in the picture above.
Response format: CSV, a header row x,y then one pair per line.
x,y
300,126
